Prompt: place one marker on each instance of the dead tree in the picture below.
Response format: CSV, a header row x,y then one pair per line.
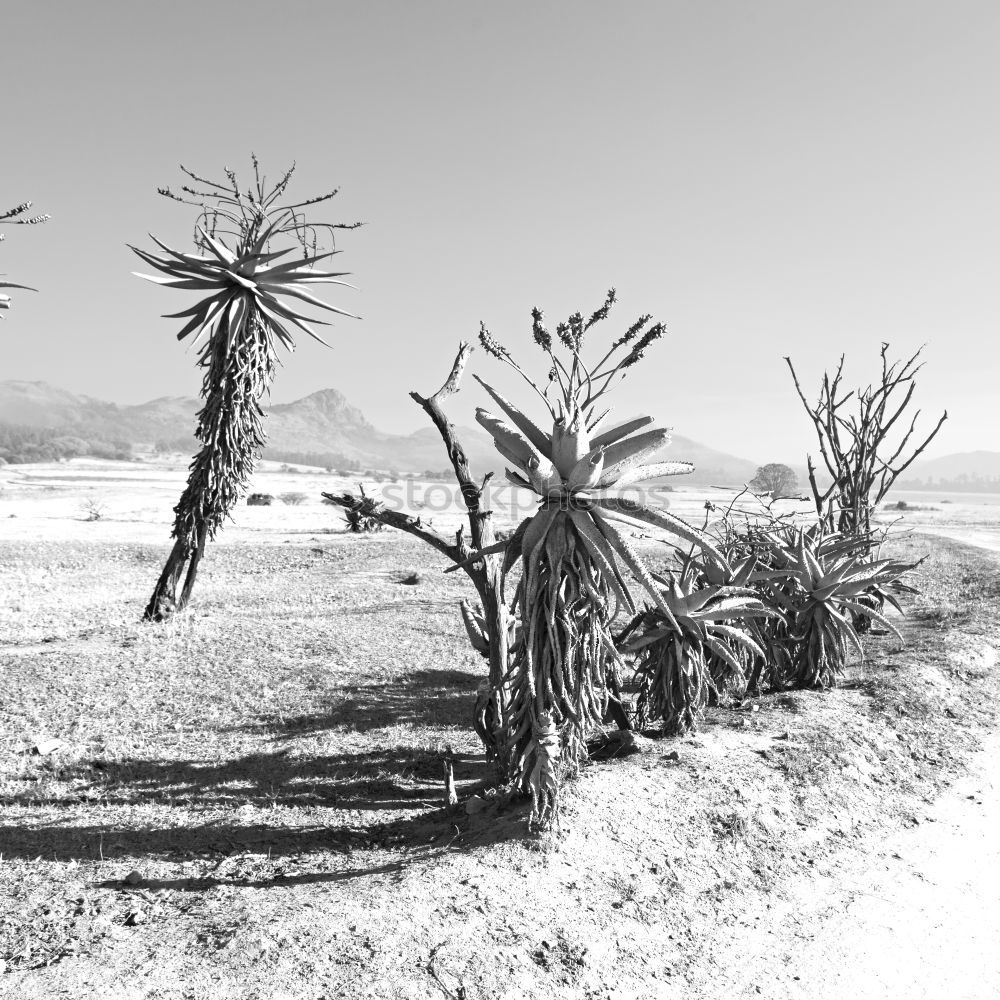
x,y
855,446
490,634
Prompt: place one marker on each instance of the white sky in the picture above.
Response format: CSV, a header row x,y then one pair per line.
x,y
767,178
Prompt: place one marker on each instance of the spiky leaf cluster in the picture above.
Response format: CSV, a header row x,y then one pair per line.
x,y
707,625
17,216
577,563
825,581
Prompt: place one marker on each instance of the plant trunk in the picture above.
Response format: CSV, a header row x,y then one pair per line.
x,y
231,430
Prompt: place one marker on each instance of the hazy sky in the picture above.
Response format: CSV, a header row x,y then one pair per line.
x,y
767,178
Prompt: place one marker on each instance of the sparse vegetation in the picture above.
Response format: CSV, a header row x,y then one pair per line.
x,y
93,509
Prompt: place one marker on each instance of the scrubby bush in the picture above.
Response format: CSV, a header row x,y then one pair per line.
x,y
93,509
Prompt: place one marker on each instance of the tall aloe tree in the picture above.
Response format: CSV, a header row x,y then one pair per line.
x,y
17,216
577,563
241,317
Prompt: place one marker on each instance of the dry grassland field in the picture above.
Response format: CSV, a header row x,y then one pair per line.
x,y
247,802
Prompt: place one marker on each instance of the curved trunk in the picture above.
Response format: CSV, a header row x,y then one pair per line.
x,y
231,430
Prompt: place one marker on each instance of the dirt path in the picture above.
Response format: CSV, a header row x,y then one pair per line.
x,y
921,920
982,538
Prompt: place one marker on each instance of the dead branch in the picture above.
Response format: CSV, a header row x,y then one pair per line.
x,y
852,446
486,572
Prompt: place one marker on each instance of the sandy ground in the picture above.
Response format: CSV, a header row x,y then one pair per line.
x,y
805,848
920,921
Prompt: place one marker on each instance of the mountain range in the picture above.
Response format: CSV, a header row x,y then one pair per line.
x,y
325,423
322,423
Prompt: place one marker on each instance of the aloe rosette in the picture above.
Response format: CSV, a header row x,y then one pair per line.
x,y
825,582
578,566
708,624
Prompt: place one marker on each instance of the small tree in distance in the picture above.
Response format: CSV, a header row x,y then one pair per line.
x,y
777,479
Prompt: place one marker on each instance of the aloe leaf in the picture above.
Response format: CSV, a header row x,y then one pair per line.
x,y
477,636
697,600
299,293
847,629
212,308
603,554
740,637
260,261
535,530
593,424
641,473
538,437
513,552
624,455
663,520
725,609
609,437
723,652
280,270
510,438
861,609
511,457
188,260
515,479
272,311
225,255
638,568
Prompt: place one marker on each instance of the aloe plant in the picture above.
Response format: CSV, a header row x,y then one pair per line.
x,y
823,580
242,314
17,216
578,566
675,654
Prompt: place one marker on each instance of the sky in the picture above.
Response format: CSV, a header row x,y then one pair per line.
x,y
766,178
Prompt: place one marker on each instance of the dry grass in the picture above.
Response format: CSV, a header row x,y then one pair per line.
x,y
269,767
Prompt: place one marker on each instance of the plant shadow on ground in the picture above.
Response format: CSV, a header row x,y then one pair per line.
x,y
396,781
399,781
421,698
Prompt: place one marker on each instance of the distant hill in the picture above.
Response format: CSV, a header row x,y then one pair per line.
x,y
323,424
973,471
974,464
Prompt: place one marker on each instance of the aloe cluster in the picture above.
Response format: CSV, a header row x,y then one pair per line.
x,y
782,609
826,582
707,649
578,565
